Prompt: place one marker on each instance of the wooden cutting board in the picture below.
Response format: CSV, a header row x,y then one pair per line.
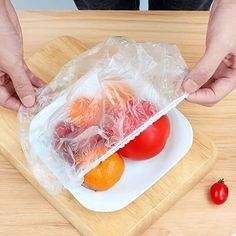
x,y
140,214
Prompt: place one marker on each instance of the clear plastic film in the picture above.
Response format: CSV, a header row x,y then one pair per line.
x,y
97,103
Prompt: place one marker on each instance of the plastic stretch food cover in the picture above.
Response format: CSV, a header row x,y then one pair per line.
x,y
97,103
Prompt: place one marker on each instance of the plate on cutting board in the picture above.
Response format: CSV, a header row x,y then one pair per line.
x,y
138,176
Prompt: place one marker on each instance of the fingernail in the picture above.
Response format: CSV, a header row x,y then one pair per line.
x,y
190,86
28,101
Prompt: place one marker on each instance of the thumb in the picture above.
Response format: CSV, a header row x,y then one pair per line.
x,y
22,85
204,69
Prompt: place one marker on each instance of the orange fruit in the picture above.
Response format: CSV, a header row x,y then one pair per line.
x,y
84,112
106,174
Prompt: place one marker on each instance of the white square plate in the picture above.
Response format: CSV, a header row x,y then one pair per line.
x,y
138,176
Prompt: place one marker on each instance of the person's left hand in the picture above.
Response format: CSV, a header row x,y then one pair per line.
x,y
17,82
214,76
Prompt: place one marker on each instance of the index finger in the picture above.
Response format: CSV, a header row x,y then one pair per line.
x,y
22,85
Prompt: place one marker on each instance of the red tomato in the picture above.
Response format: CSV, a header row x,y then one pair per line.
x,y
149,143
219,192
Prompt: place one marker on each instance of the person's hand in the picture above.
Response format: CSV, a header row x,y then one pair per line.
x,y
214,76
16,80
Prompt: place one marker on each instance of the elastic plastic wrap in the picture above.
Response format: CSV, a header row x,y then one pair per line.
x,y
97,103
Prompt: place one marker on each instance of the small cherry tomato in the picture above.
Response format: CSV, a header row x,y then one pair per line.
x,y
219,192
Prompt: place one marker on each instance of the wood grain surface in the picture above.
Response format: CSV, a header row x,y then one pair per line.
x,y
24,212
135,218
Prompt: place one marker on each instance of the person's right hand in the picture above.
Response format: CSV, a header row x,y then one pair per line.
x,y
214,76
17,82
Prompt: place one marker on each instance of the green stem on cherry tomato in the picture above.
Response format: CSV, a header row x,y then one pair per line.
x,y
221,181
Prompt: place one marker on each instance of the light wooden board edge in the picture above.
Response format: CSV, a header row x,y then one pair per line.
x,y
140,227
